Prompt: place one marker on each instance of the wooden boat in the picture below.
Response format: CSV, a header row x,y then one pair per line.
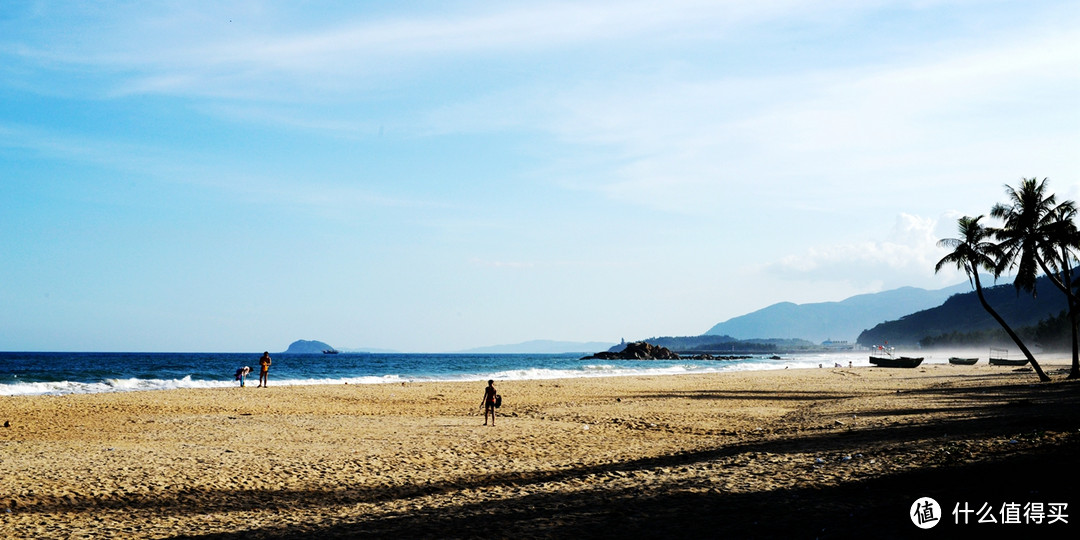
x,y
963,361
895,361
1000,357
1007,362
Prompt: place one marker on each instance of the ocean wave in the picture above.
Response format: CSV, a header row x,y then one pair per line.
x,y
473,373
104,386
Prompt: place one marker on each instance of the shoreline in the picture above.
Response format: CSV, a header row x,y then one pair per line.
x,y
759,453
203,376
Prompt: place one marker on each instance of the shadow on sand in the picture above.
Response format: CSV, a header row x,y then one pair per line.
x,y
875,508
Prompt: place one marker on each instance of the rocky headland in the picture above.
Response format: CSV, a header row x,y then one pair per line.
x,y
638,350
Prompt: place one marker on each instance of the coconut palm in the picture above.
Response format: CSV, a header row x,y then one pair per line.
x,y
1063,240
1038,234
973,252
1022,236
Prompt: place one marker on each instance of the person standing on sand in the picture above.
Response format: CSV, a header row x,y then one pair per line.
x,y
264,367
489,402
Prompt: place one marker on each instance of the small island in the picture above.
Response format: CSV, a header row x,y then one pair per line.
x,y
308,347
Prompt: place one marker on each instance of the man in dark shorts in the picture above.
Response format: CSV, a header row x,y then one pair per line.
x,y
264,368
489,402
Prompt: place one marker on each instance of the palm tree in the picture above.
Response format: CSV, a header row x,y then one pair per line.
x,y
1039,234
1063,240
973,252
1021,236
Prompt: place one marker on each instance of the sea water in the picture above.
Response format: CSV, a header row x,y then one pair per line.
x,y
55,373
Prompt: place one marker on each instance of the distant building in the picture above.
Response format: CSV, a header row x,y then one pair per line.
x,y
844,345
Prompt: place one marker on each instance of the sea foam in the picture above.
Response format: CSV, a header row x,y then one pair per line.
x,y
96,373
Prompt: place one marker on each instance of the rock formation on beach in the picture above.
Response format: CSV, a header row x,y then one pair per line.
x,y
639,350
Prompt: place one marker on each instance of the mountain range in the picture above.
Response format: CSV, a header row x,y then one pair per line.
x,y
963,313
843,320
903,315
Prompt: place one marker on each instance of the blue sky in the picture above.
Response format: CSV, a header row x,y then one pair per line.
x,y
434,176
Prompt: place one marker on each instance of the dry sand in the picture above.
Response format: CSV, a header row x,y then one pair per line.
x,y
831,452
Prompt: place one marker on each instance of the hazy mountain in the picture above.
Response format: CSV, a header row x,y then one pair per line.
x,y
963,313
542,346
843,320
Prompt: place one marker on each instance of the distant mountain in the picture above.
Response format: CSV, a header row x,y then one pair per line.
x,y
307,347
842,320
963,313
542,346
723,344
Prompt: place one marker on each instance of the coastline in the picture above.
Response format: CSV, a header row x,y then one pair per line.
x,y
23,374
751,453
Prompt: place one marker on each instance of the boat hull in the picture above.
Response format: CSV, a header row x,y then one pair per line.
x,y
897,362
963,361
1007,362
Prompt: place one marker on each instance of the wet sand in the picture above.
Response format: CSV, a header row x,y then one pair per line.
x,y
835,452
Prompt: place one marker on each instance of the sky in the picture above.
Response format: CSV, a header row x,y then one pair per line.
x,y
435,176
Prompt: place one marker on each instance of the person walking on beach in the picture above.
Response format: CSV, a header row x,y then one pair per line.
x,y
264,367
241,375
489,402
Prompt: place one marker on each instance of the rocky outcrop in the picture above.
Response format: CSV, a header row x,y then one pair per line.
x,y
638,350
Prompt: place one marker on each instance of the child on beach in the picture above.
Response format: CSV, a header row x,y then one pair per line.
x,y
241,374
489,402
264,368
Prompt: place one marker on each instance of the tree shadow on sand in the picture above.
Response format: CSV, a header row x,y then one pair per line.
x,y
874,508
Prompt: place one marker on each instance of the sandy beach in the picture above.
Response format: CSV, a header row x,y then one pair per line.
x,y
834,452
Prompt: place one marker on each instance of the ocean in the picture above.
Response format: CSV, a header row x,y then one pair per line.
x,y
57,373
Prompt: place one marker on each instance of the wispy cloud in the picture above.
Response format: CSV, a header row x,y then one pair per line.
x,y
243,51
204,169
905,256
904,124
674,139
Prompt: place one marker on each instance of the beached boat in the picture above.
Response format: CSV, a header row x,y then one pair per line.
x,y
896,361
1007,362
1000,357
882,356
963,361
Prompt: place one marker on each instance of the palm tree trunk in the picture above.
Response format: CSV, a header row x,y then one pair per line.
x,y
1074,320
1066,274
1016,339
1065,285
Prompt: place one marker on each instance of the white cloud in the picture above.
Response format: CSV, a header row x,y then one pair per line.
x,y
243,50
906,255
236,179
967,117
